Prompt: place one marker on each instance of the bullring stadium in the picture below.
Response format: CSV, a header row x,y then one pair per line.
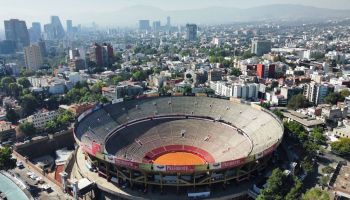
x,y
178,141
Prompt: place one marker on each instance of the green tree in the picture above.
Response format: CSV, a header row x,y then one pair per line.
x,y
342,146
24,82
307,165
29,104
333,98
235,71
316,193
317,136
247,54
278,113
12,116
14,89
97,87
27,129
139,75
6,161
345,93
5,82
295,192
278,186
297,101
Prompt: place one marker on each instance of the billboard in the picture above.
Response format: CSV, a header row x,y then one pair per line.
x,y
159,168
127,164
145,167
96,147
199,168
215,166
180,168
232,163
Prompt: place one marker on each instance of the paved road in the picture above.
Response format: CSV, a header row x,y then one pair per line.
x,y
36,191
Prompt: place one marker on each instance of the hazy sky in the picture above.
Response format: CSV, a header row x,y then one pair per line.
x,y
40,10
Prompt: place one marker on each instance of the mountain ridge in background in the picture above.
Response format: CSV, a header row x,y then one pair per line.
x,y
129,16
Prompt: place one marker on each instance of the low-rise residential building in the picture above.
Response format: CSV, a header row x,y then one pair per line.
x,y
40,118
7,131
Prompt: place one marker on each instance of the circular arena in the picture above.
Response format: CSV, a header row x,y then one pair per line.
x,y
178,141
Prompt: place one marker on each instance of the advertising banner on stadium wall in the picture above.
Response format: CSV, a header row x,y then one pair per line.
x,y
232,163
159,168
87,148
127,164
109,158
180,168
200,168
215,166
96,147
269,150
100,156
145,167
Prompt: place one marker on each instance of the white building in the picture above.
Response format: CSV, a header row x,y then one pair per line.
x,y
40,118
236,90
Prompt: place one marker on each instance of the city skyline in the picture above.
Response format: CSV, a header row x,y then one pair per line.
x,y
86,12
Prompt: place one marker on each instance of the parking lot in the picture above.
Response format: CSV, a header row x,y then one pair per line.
x,y
38,186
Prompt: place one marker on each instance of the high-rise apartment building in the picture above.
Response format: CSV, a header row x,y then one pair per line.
x,y
96,54
168,22
54,30
33,58
35,32
107,54
144,25
16,30
265,71
261,47
316,93
191,32
69,26
156,25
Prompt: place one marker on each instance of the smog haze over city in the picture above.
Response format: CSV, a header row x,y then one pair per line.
x,y
174,100
124,12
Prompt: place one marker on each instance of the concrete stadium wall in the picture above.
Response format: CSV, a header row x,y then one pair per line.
x,y
46,145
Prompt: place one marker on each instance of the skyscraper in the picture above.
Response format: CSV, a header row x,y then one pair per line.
x,y
69,26
33,58
42,46
144,25
96,54
261,47
35,32
54,30
168,22
16,30
107,54
191,32
156,25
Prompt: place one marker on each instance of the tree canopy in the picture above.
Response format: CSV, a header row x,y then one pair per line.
x,y
316,193
281,186
29,104
342,146
297,101
6,161
27,129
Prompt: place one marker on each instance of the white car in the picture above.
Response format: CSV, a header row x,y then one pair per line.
x,y
19,164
